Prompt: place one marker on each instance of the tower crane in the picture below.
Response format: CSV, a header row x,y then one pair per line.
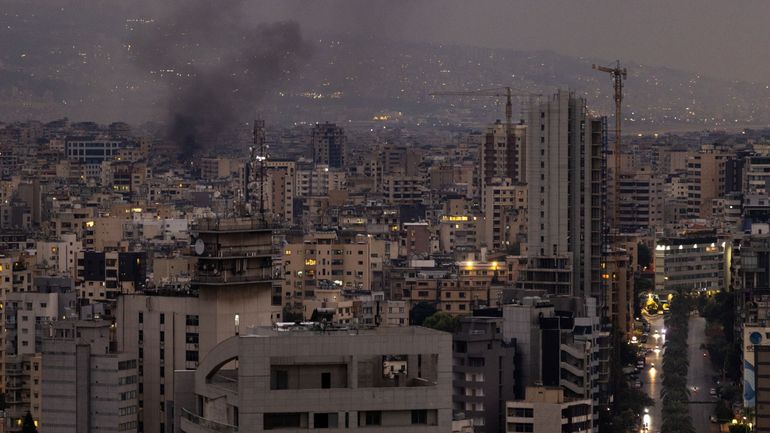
x,y
618,76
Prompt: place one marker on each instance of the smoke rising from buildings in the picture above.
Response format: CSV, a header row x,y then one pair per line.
x,y
217,66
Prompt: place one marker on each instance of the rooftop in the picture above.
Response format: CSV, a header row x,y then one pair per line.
x,y
288,330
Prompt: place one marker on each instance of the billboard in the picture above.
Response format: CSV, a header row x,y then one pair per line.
x,y
752,336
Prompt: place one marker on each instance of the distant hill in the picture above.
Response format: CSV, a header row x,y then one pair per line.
x,y
357,78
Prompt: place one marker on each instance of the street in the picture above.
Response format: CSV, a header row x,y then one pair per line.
x,y
699,375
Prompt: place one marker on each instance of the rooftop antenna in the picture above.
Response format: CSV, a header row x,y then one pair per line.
x,y
257,159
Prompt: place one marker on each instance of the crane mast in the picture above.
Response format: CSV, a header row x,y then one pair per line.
x,y
618,76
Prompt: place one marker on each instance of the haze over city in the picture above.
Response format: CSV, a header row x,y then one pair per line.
x,y
437,216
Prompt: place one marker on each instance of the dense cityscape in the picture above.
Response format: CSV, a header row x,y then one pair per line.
x,y
329,234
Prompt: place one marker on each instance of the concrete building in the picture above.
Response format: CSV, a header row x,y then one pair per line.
x,y
706,179
546,409
163,334
566,177
102,276
282,189
233,281
641,201
329,145
505,214
297,379
234,275
691,262
353,263
620,289
484,370
24,315
403,190
502,157
86,384
556,347
319,180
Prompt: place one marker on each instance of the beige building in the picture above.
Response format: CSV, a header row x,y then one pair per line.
x,y
706,176
322,259
546,409
399,189
296,379
281,189
505,214
620,289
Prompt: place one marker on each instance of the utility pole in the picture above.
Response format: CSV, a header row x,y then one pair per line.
x,y
618,76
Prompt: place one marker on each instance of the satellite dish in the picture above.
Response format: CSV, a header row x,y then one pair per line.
x,y
199,246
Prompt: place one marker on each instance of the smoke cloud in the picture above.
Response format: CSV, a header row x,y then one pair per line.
x,y
217,66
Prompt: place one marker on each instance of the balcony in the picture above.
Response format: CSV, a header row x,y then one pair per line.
x,y
228,278
230,225
238,252
192,423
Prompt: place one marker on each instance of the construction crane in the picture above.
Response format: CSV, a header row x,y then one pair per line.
x,y
618,76
496,92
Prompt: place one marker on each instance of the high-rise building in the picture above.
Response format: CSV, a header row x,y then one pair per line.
x,y
329,145
566,176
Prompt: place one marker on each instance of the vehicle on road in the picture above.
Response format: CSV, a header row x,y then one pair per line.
x,y
713,391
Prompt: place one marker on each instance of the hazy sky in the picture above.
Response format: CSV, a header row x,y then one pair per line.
x,y
726,39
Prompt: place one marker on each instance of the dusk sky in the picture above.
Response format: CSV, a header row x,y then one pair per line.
x,y
712,37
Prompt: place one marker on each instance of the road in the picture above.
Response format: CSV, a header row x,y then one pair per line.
x,y
699,375
651,381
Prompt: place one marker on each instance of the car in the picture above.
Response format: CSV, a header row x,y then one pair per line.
x,y
713,419
694,388
713,391
705,354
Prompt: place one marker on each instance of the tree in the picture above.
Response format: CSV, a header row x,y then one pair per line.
x,y
722,412
643,255
420,312
28,425
443,321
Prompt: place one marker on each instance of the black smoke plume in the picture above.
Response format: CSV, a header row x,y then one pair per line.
x,y
217,66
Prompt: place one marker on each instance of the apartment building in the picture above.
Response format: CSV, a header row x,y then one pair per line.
x,y
546,409
484,372
350,262
87,385
296,379
566,177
